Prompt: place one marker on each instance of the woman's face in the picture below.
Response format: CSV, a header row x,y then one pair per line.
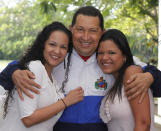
x,y
56,48
110,58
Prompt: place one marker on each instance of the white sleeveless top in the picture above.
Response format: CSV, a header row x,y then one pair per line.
x,y
118,115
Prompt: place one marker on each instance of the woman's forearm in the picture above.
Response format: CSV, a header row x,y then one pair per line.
x,y
142,125
43,114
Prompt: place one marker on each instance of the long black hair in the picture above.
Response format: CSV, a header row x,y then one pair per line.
x,y
35,52
121,41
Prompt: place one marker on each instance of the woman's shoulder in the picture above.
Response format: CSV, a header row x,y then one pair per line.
x,y
35,63
133,69
36,67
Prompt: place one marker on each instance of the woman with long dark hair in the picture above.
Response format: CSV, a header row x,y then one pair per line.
x,y
42,112
114,57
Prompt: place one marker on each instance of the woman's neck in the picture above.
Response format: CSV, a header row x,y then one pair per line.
x,y
115,75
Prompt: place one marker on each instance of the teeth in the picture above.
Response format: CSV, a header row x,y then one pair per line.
x,y
55,57
106,64
85,43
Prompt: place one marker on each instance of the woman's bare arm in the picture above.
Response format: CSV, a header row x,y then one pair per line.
x,y
141,111
43,114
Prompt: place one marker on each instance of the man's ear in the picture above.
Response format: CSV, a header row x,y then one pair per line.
x,y
70,28
104,30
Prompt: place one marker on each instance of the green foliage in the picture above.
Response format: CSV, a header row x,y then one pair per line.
x,y
18,28
138,19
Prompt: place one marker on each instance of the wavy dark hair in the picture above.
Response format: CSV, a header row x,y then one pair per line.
x,y
35,52
122,43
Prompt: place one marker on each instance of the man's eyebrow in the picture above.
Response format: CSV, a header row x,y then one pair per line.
x,y
79,26
94,28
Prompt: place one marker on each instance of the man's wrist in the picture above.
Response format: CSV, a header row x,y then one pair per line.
x,y
150,77
152,70
14,68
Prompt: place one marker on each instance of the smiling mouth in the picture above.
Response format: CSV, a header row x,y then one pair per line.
x,y
106,64
55,57
85,44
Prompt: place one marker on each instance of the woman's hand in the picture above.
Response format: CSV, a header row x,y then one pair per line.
x,y
74,96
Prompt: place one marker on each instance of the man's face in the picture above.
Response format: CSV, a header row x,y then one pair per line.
x,y
86,34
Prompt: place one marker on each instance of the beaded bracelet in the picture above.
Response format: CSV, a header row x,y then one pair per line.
x,y
64,103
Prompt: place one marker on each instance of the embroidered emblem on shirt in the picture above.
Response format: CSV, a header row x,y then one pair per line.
x,y
101,84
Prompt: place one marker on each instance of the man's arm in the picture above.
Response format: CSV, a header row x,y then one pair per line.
x,y
156,85
21,78
140,83
6,75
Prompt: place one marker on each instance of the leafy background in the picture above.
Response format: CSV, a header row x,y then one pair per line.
x,y
21,22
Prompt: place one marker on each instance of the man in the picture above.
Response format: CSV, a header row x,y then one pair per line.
x,y
87,28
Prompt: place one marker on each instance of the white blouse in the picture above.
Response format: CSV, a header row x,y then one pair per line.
x,y
18,109
118,115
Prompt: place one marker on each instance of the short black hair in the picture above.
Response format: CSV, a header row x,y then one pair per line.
x,y
89,11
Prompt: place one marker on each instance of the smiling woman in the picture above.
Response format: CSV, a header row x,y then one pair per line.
x,y
40,113
114,57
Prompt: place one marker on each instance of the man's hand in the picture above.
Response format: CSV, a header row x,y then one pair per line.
x,y
23,79
138,84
